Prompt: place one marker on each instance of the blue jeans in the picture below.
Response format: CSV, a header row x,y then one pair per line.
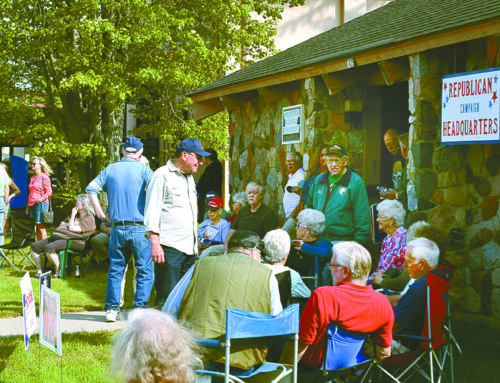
x,y
169,273
36,211
123,242
2,212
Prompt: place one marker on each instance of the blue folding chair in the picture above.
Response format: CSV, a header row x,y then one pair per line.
x,y
243,324
343,356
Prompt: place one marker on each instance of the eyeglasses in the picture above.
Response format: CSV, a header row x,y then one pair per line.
x,y
299,225
213,209
34,163
382,217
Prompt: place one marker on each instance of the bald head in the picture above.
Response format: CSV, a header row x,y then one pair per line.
x,y
391,142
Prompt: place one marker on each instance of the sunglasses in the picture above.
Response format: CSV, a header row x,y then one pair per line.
x,y
213,209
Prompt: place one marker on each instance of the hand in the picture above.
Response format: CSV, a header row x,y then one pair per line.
x,y
297,243
156,250
391,194
378,277
27,209
104,217
74,211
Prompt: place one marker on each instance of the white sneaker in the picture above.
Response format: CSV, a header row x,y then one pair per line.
x,y
111,315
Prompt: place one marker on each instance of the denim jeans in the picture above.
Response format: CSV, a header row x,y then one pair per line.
x,y
169,273
2,212
123,242
36,211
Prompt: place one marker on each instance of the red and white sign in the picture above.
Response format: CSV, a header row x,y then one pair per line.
x,y
50,320
29,313
470,107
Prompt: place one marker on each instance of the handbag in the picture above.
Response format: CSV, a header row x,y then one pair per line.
x,y
48,215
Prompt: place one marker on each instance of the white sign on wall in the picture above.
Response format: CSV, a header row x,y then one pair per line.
x,y
470,107
292,127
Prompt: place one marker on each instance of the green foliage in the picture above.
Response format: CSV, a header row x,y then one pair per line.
x,y
80,61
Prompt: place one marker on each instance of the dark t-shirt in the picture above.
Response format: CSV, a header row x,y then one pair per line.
x,y
260,221
410,311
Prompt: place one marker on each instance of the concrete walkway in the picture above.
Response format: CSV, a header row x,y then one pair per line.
x,y
70,322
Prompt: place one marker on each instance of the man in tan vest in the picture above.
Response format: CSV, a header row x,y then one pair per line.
x,y
221,282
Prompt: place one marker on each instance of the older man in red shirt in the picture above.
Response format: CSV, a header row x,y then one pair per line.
x,y
350,304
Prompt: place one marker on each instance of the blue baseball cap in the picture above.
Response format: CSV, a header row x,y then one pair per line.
x,y
192,145
132,145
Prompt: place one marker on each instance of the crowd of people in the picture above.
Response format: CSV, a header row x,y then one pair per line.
x,y
201,262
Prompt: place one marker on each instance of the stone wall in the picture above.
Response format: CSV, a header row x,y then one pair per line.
x,y
457,186
257,153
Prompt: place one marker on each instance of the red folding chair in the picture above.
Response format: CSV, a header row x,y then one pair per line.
x,y
427,359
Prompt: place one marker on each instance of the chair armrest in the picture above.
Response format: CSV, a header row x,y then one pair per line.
x,y
414,337
211,343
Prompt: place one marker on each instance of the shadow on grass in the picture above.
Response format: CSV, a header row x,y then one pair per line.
x,y
7,347
478,338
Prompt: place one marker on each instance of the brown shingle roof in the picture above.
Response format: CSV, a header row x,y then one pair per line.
x,y
392,24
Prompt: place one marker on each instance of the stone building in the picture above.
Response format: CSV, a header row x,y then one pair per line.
x,y
381,70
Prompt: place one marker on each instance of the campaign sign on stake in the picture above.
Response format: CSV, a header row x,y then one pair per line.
x,y
46,279
50,320
29,311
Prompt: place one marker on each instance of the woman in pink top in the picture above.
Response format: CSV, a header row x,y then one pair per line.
x,y
40,191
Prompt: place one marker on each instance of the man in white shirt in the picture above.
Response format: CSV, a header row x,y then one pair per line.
x,y
171,216
295,175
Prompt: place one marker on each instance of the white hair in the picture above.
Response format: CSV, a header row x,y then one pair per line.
x,y
414,229
241,197
255,184
392,208
153,347
313,219
277,246
355,257
423,248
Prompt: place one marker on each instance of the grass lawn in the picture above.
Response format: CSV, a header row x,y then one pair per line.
x,y
76,295
86,355
85,358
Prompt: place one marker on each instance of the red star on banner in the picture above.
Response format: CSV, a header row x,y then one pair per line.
x,y
445,85
494,96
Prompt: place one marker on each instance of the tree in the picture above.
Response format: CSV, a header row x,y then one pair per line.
x,y
69,67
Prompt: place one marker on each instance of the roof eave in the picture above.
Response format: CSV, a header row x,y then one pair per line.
x,y
364,55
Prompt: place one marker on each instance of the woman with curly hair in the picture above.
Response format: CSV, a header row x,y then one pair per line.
x,y
40,190
154,348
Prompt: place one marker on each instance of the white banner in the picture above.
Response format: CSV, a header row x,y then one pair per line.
x,y
50,320
470,108
29,311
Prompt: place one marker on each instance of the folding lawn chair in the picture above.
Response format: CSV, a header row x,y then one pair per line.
x,y
343,357
427,360
67,255
447,270
313,278
22,236
243,324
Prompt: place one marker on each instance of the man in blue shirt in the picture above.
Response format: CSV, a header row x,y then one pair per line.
x,y
125,183
422,256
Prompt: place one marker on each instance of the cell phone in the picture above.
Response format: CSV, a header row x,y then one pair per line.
x,y
289,189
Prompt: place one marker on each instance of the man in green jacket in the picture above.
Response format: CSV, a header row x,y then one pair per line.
x,y
341,195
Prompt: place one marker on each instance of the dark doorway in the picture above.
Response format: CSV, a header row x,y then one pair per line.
x,y
395,114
